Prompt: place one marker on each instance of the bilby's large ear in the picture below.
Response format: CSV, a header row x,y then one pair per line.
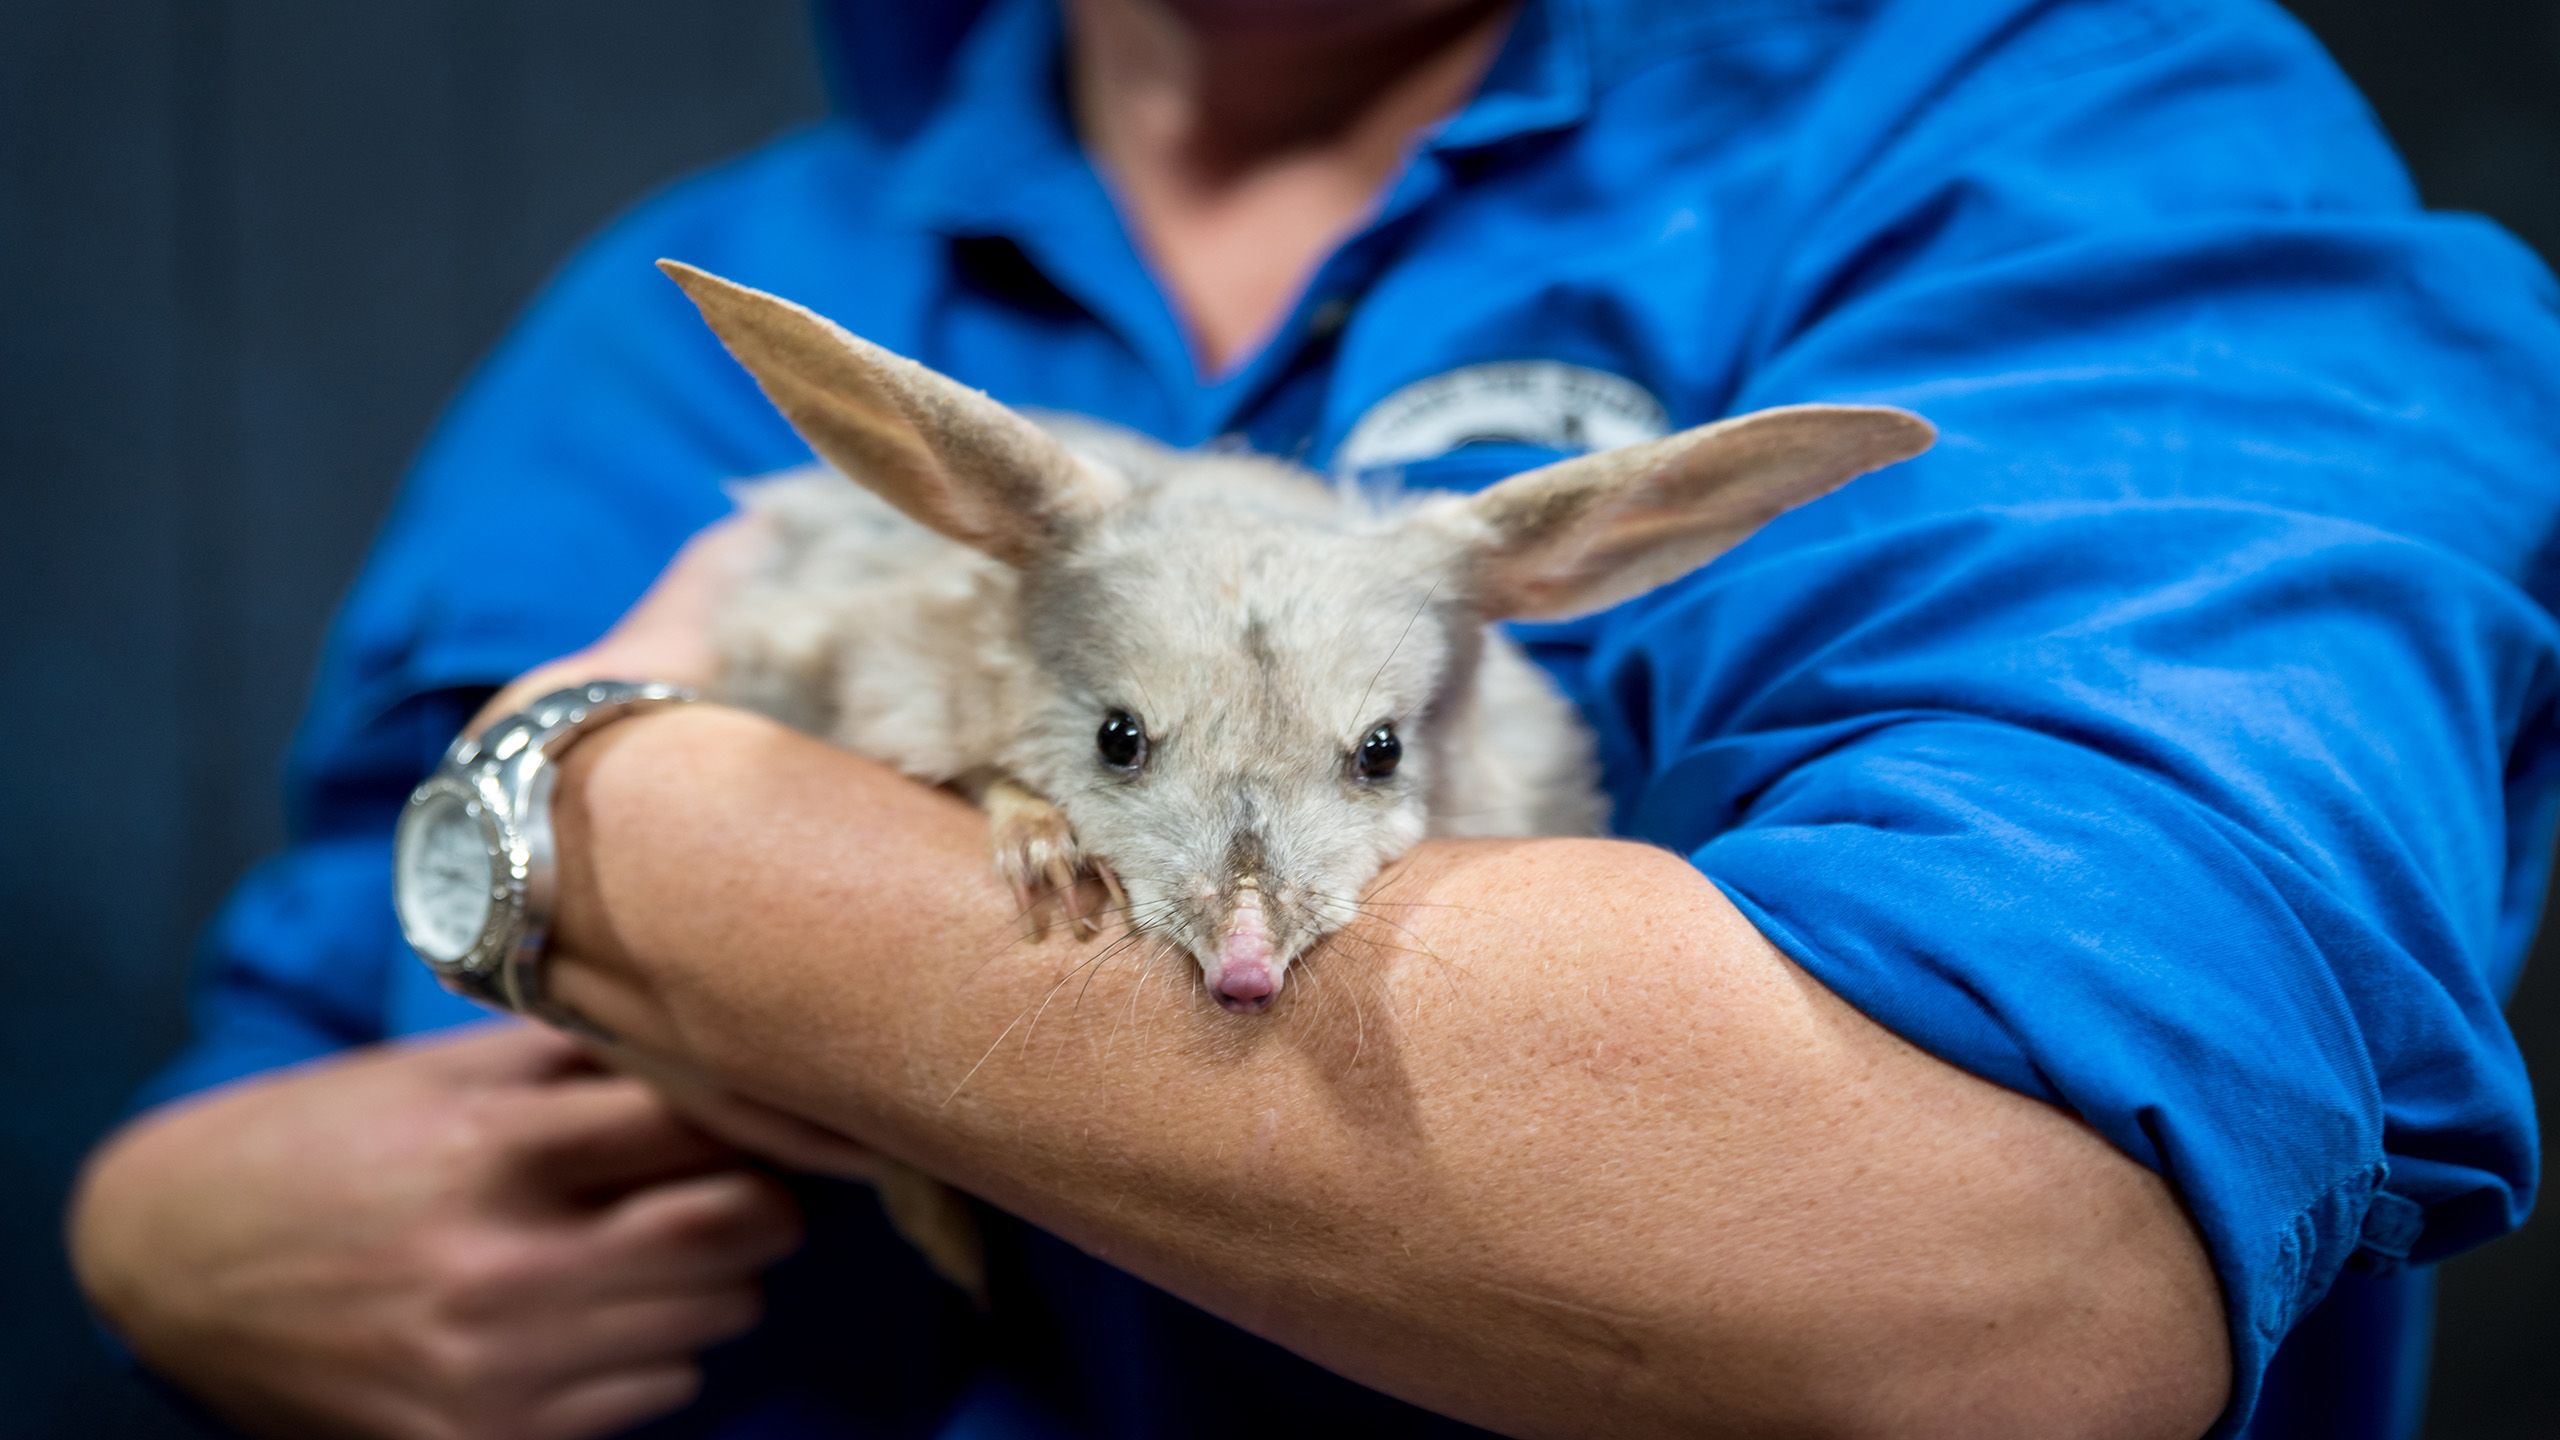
x,y
1583,534
950,457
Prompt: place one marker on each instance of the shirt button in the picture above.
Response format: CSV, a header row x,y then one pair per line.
x,y
1328,317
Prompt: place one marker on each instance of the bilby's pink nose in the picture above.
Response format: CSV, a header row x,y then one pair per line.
x,y
1244,982
1245,989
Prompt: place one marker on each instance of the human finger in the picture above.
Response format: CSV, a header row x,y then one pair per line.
x,y
694,1233
645,1330
779,1136
610,1403
756,1128
600,1132
504,1049
667,632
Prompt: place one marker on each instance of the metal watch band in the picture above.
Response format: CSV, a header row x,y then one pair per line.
x,y
507,772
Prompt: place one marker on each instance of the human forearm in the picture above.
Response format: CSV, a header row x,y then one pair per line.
x,y
1555,1136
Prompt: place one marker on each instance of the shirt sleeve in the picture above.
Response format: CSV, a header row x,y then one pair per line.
x,y
587,448
2174,742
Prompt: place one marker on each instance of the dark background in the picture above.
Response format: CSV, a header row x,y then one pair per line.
x,y
248,250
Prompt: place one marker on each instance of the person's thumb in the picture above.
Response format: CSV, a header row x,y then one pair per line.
x,y
502,1049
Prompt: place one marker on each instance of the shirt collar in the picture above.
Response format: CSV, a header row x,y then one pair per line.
x,y
1540,80
1000,134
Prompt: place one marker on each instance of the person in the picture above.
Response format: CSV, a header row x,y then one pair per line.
x,y
2049,984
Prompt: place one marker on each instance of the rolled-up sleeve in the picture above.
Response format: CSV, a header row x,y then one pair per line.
x,y
2175,742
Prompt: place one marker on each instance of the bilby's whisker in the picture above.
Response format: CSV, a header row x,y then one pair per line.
x,y
1146,974
1081,967
1361,907
1361,710
1377,949
1125,942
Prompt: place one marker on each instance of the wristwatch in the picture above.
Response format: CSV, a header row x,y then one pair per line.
x,y
472,863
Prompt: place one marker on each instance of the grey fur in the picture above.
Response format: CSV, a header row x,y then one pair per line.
x,y
1257,622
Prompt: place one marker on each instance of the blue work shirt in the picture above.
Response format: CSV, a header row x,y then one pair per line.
x,y
2173,743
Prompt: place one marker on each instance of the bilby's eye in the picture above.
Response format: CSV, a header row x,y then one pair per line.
x,y
1122,741
1378,753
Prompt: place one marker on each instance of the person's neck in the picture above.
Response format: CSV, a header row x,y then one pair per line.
x,y
1240,153
1210,99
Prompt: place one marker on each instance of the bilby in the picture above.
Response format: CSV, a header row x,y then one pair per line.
x,y
1227,689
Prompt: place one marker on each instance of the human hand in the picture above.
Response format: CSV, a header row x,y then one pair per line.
x,y
667,634
471,1238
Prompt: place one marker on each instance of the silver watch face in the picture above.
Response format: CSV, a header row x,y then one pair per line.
x,y
442,875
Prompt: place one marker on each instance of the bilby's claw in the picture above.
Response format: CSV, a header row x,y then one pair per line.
x,y
1026,903
1037,854
1062,883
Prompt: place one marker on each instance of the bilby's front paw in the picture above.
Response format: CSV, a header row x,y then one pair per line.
x,y
1037,854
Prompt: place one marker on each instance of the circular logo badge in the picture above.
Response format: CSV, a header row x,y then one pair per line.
x,y
1545,403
